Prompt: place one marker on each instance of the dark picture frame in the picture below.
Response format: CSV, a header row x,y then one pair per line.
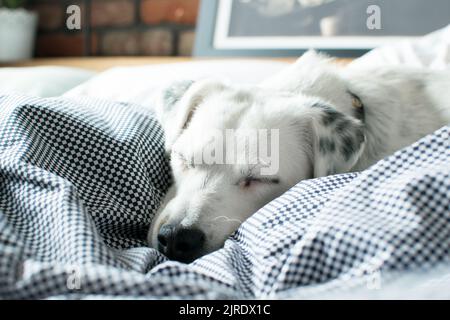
x,y
212,11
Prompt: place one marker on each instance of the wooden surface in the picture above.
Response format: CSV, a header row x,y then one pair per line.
x,y
103,63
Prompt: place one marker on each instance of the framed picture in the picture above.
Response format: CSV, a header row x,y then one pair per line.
x,y
345,28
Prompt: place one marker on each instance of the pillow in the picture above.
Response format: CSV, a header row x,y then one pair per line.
x,y
42,81
431,51
136,84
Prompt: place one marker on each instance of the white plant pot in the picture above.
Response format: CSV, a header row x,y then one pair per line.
x,y
17,34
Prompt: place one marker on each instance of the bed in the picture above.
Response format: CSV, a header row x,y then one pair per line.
x,y
82,174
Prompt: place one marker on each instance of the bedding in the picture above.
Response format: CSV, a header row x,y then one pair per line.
x,y
42,81
143,81
81,178
431,51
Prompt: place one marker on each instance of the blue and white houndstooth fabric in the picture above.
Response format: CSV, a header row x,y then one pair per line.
x,y
81,179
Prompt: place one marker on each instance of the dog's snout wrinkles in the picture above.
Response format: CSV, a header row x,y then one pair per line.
x,y
181,244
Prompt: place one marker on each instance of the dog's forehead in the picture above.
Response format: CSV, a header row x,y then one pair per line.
x,y
238,109
247,107
227,107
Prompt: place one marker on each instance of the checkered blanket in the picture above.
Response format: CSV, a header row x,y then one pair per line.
x,y
80,182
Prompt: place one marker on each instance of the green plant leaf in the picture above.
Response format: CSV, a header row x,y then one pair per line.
x,y
13,4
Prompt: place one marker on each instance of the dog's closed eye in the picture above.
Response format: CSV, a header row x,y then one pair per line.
x,y
250,181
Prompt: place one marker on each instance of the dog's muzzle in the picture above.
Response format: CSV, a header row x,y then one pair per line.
x,y
181,244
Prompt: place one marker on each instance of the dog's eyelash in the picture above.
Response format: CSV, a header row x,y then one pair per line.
x,y
247,181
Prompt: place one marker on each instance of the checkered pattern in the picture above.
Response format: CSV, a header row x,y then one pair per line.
x,y
80,181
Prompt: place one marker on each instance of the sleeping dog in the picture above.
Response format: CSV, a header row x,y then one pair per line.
x,y
326,120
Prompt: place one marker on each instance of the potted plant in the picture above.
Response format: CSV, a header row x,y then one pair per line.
x,y
17,31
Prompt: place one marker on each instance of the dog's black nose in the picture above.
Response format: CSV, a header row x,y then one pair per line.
x,y
181,244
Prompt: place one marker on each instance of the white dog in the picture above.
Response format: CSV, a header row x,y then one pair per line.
x,y
326,120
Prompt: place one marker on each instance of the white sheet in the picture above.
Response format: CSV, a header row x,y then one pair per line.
x,y
138,84
42,81
431,51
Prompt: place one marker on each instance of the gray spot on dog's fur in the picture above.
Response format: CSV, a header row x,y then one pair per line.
x,y
330,115
326,145
348,135
174,93
347,147
342,126
351,143
322,106
242,96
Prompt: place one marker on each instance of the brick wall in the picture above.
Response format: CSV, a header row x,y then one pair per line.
x,y
117,27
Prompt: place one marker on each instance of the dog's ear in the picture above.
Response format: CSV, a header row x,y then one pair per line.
x,y
309,70
337,140
312,58
177,103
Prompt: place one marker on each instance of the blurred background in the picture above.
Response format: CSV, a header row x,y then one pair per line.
x,y
118,28
166,28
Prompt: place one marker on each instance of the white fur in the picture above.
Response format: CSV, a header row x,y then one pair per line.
x,y
400,105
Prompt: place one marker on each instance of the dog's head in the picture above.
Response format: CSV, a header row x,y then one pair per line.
x,y
234,149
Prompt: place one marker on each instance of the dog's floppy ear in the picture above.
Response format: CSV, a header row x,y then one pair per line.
x,y
177,103
337,140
